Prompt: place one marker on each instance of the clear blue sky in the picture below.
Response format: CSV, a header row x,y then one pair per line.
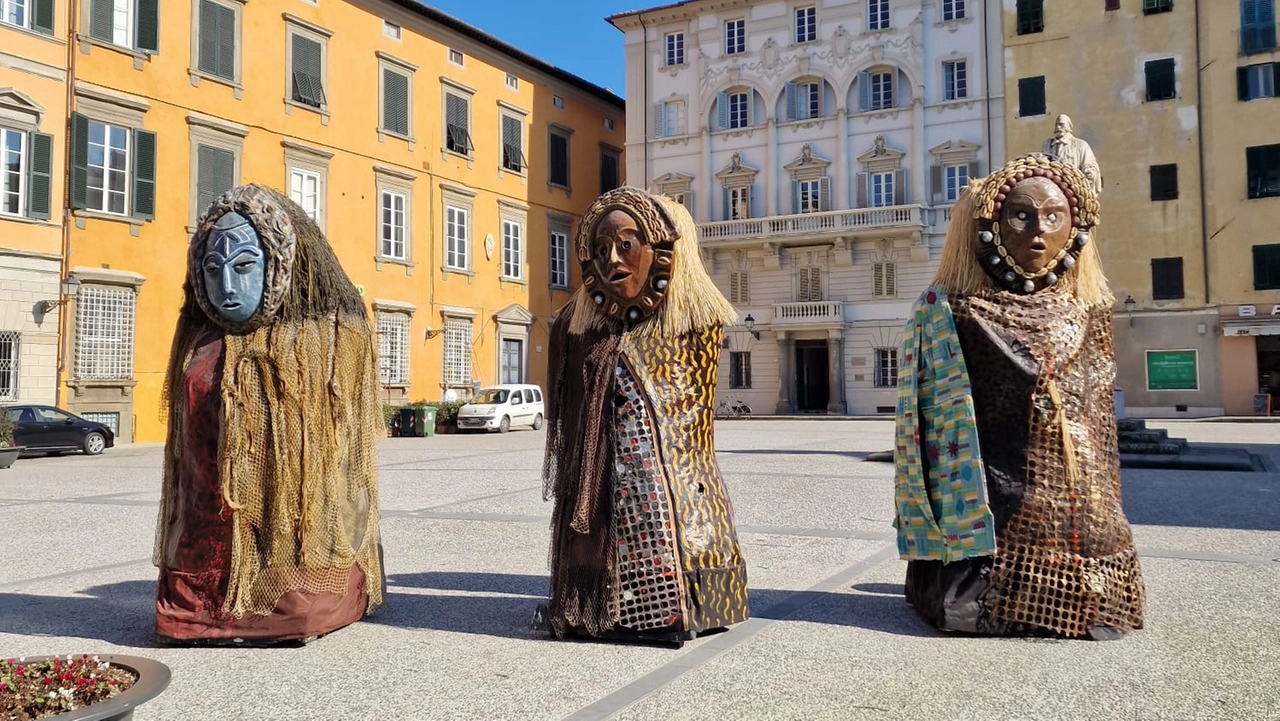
x,y
570,34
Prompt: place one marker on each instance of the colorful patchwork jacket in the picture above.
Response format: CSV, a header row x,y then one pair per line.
x,y
941,488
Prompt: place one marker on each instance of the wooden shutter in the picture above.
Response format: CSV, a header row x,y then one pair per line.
x,y
862,190
1166,279
937,184
79,161
659,120
1266,267
214,175
42,17
824,194
308,86
101,20
864,91
217,41
144,174
395,102
974,174
558,168
890,279
900,187
792,111
815,284
795,196
40,177
877,280
725,202
512,151
722,111
147,26
1031,96
207,40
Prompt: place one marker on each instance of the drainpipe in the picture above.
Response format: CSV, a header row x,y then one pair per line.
x,y
645,109
1204,193
986,68
64,265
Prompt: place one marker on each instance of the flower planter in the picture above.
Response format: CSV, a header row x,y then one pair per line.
x,y
9,454
153,679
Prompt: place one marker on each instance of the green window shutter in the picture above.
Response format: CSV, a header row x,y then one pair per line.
x,y
42,17
226,175
395,102
79,161
40,178
208,32
144,174
308,87
206,177
101,23
226,42
147,26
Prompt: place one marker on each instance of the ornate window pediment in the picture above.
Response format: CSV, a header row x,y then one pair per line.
x,y
881,158
808,166
737,174
673,184
955,152
17,106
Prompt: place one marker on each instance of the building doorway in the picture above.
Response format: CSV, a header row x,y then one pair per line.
x,y
512,360
1269,369
813,379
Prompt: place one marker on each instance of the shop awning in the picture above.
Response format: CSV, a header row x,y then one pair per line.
x,y
1259,328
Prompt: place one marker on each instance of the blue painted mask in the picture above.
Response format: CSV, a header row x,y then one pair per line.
x,y
234,267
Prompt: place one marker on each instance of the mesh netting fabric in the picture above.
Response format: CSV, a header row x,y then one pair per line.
x,y
299,461
1065,559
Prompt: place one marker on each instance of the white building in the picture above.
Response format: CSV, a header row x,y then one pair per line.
x,y
819,146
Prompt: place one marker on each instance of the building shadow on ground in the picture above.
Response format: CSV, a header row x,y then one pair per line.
x,y
443,601
1205,499
122,613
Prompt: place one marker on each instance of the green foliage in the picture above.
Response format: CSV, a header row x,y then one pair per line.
x,y
389,414
446,412
6,428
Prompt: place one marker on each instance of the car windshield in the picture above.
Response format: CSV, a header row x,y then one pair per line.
x,y
490,396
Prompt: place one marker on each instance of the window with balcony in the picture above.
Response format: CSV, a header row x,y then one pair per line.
x,y
881,190
812,196
886,368
737,203
808,284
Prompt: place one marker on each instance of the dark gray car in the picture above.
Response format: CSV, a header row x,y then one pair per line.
x,y
45,428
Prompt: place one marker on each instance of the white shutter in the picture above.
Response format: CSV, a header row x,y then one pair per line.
x,y
659,120
824,192
722,111
864,91
791,110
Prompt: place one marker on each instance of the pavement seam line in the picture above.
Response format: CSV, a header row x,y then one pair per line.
x,y
69,574
622,698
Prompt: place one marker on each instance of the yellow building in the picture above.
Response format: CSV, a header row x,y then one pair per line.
x,y
1177,224
446,167
33,102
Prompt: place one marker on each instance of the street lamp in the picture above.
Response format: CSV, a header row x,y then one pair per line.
x,y
70,287
1129,305
751,325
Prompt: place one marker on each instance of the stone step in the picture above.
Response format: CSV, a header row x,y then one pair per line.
x,y
1150,435
1171,447
1131,424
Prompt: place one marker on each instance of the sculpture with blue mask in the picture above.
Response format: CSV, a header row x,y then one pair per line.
x,y
234,268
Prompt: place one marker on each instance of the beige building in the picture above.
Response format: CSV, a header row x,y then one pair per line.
x,y
1191,181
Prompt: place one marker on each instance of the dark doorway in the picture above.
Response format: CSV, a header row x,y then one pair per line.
x,y
1269,369
813,389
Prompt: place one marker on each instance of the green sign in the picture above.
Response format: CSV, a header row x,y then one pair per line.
x,y
1172,370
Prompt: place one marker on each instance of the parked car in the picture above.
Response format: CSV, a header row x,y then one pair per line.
x,y
45,428
500,407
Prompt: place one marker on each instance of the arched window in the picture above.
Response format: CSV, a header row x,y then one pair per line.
x,y
805,99
878,89
735,109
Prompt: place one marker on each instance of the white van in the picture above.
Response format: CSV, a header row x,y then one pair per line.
x,y
503,406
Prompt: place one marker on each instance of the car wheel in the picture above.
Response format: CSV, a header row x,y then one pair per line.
x,y
505,424
94,443
537,422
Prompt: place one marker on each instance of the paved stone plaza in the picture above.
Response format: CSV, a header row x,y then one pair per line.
x,y
466,535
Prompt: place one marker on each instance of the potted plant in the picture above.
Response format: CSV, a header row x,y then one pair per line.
x,y
8,451
446,415
88,688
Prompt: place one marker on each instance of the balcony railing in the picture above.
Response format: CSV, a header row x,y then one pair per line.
x,y
830,222
825,311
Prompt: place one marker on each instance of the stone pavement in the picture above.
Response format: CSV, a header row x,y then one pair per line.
x,y
466,535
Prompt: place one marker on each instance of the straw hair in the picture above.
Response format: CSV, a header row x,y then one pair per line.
x,y
960,271
692,300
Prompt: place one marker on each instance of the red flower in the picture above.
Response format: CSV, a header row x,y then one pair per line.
x,y
4,686
65,677
47,680
111,683
81,681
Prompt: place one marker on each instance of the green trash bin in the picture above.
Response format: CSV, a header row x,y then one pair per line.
x,y
418,421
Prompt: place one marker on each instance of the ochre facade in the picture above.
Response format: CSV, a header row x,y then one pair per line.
x,y
346,106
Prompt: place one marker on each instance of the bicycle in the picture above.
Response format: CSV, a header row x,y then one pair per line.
x,y
732,407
